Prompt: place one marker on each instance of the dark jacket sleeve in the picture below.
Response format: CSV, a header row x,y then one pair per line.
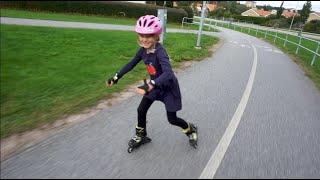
x,y
134,61
167,75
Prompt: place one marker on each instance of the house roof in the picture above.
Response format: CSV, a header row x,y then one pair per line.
x,y
289,14
211,7
262,12
259,12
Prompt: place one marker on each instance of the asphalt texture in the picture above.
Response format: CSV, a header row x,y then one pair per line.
x,y
278,135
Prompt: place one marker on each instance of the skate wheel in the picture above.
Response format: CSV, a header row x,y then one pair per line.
x,y
130,149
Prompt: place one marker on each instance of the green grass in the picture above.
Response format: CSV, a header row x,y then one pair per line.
x,y
48,73
66,17
76,17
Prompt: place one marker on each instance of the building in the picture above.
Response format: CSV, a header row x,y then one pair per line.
x,y
254,12
251,4
313,16
274,12
289,13
211,6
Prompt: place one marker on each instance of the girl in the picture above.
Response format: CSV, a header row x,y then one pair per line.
x,y
163,85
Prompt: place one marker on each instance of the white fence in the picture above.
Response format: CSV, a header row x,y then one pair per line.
x,y
264,30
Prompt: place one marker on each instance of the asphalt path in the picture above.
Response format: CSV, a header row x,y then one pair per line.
x,y
258,116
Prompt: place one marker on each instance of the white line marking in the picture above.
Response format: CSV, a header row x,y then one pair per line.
x,y
217,156
277,51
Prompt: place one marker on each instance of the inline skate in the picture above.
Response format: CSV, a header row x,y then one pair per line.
x,y
192,133
139,139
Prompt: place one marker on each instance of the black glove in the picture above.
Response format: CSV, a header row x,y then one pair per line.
x,y
145,86
113,79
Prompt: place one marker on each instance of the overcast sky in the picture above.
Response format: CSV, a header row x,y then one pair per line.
x,y
289,4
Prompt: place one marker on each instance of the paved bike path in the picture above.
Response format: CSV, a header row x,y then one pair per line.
x,y
278,134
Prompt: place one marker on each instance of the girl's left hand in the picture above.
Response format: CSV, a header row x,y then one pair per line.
x,y
147,87
150,87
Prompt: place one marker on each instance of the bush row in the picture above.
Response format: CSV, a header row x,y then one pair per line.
x,y
104,8
255,20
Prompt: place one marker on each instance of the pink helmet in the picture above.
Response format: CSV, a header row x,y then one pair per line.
x,y
148,24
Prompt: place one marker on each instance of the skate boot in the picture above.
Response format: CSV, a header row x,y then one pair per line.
x,y
139,139
192,133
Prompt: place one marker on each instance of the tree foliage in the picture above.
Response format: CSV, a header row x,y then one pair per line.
x,y
306,10
312,26
280,10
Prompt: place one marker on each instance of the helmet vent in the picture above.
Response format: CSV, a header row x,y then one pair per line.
x,y
144,23
150,23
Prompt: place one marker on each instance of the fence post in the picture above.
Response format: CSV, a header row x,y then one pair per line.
x,y
298,45
210,25
314,56
182,22
265,35
257,31
274,40
285,42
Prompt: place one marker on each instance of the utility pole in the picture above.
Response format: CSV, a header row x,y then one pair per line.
x,y
201,24
293,16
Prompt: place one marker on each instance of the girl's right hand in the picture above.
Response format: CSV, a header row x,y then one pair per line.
x,y
109,83
113,80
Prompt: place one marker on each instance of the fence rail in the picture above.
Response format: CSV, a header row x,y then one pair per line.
x,y
266,31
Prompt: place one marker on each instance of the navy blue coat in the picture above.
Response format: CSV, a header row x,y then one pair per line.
x,y
158,66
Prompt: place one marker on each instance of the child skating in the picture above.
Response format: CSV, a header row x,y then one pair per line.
x,y
163,85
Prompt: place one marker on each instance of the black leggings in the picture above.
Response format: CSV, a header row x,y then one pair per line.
x,y
172,116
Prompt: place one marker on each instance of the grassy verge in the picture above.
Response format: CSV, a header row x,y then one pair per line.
x,y
48,73
76,17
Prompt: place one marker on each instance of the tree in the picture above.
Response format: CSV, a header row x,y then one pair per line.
x,y
266,7
279,12
312,26
150,2
233,7
306,10
161,3
184,3
240,8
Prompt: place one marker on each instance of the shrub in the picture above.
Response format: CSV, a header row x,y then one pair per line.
x,y
312,26
255,20
189,11
277,23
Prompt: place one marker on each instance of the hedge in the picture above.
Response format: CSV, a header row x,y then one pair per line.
x,y
255,20
312,26
104,8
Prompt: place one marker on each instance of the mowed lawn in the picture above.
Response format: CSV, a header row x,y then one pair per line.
x,y
48,73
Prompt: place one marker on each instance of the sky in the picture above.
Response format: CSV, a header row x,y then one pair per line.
x,y
289,4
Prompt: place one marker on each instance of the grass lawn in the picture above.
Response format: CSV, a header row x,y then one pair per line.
x,y
85,18
48,73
